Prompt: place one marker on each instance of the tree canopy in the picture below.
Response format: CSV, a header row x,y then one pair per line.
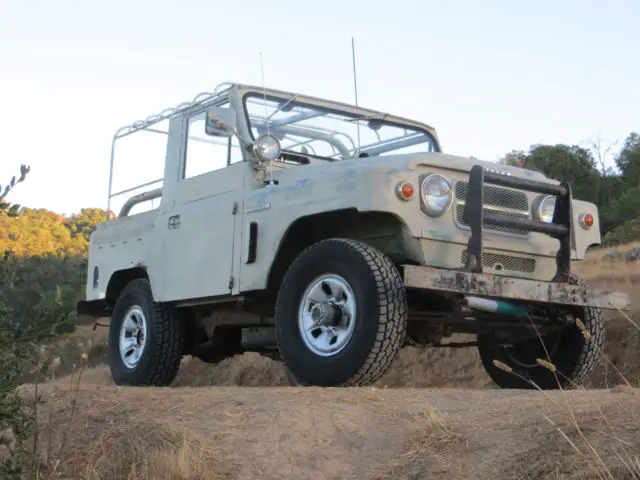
x,y
616,193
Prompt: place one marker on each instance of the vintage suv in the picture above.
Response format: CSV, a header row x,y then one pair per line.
x,y
331,236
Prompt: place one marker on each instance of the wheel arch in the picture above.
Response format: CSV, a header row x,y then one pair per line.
x,y
383,230
119,279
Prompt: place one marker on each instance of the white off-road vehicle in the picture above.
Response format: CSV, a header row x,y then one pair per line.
x,y
331,236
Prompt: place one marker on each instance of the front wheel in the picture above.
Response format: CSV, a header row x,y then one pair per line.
x,y
574,356
341,315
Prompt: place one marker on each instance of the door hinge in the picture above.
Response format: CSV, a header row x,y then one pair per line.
x,y
230,283
234,210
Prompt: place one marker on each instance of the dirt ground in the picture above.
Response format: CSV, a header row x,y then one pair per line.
x,y
309,433
436,414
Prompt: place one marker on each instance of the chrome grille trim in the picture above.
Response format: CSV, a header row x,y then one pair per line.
x,y
497,199
508,262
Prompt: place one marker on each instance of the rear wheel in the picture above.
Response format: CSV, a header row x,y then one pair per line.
x,y
146,338
573,356
341,315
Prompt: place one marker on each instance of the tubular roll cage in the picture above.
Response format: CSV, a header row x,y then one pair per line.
x,y
476,217
202,98
285,126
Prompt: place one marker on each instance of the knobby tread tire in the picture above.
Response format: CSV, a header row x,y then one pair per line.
x,y
388,296
576,361
163,353
588,358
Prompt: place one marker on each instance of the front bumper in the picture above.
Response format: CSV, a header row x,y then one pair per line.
x,y
511,288
471,279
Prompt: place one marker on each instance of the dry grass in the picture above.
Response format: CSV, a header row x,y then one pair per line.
x,y
249,432
431,447
388,432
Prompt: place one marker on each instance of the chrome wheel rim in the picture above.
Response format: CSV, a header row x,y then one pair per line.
x,y
327,315
133,336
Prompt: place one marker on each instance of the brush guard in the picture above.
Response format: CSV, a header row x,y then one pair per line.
x,y
470,281
476,217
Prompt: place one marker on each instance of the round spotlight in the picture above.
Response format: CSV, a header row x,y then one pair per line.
x,y
267,148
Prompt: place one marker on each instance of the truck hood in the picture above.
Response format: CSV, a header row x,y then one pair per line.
x,y
397,163
464,164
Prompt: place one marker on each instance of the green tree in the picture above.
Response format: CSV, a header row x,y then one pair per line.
x,y
569,163
85,222
628,161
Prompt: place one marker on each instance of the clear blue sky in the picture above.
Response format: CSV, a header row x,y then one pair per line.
x,y
491,75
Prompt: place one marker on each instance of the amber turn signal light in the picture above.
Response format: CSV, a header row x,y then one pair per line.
x,y
404,190
586,220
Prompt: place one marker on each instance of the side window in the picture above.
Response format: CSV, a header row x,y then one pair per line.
x,y
205,153
138,166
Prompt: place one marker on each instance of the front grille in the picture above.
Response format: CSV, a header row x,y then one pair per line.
x,y
502,200
496,197
506,262
493,228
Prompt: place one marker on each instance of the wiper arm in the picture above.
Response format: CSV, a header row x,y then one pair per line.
x,y
281,107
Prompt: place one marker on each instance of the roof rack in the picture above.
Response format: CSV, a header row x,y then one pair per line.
x,y
165,114
199,99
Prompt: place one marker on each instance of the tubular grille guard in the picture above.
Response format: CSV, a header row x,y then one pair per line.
x,y
493,228
476,217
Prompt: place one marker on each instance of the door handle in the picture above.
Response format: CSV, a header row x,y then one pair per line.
x,y
174,222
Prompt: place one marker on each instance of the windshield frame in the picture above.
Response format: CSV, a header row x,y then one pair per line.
x,y
293,100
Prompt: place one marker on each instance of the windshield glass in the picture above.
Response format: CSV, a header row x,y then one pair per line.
x,y
317,131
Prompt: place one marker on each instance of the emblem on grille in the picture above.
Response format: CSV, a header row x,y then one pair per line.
x,y
499,172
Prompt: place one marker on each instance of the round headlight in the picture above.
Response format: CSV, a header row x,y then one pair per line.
x,y
436,195
267,148
546,208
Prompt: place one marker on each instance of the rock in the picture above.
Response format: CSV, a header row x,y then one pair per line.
x,y
633,255
613,255
8,444
5,455
8,439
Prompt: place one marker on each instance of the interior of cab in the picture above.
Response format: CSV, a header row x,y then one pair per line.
x,y
311,131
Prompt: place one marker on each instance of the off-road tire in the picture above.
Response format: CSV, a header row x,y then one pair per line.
x,y
381,318
575,358
160,359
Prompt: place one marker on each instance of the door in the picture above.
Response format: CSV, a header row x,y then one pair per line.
x,y
199,222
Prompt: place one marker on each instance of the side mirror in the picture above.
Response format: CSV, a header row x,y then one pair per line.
x,y
220,122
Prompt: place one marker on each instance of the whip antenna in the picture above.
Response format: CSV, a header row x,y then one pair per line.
x,y
355,83
266,119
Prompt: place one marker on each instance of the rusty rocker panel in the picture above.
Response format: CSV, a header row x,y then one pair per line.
x,y
488,285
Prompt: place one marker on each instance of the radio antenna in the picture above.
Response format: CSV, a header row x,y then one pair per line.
x,y
355,83
266,119
264,93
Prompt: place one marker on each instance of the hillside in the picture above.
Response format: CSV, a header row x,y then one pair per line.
x,y
435,415
293,433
